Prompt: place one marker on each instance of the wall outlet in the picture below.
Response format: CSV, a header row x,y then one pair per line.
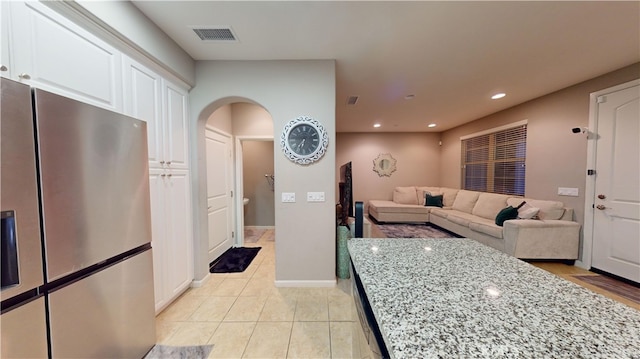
x,y
288,197
315,196
567,191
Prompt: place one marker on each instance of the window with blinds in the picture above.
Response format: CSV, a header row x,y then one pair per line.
x,y
495,162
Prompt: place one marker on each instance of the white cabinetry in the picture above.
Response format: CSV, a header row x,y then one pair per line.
x,y
171,226
175,139
164,107
48,51
5,63
143,100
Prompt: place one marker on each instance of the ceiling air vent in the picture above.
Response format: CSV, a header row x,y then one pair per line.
x,y
215,33
351,100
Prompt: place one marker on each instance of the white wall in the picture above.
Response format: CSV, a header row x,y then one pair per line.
x,y
305,232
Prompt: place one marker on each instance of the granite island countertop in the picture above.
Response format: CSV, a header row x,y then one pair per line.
x,y
457,298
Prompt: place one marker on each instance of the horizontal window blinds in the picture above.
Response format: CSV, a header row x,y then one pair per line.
x,y
495,162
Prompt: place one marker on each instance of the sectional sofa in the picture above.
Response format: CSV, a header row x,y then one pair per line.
x,y
550,234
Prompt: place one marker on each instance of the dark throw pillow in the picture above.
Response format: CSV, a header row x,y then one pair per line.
x,y
508,213
433,201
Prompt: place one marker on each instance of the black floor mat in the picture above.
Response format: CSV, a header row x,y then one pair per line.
x,y
234,260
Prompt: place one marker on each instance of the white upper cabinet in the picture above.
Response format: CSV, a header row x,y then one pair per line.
x,y
163,105
176,102
48,51
143,100
5,63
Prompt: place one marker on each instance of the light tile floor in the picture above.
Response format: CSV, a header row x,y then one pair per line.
x,y
245,316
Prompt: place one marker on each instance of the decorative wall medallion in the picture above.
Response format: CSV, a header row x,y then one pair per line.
x,y
384,164
304,140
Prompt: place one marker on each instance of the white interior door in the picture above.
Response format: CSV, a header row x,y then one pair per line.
x,y
219,193
616,237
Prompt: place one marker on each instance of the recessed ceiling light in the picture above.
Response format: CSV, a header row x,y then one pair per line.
x,y
376,125
410,97
431,125
498,95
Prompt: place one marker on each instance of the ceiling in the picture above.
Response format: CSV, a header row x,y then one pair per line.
x,y
452,56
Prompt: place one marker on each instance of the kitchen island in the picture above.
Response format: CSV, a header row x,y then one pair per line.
x,y
457,298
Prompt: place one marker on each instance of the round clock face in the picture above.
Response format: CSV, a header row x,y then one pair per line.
x,y
304,140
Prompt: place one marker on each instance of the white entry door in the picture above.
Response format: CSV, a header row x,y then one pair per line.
x,y
616,213
219,193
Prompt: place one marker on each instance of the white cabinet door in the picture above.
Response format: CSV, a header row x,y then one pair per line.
x,y
158,235
176,126
143,100
171,234
179,241
5,60
52,53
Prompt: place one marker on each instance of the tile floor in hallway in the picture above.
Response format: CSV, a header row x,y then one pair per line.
x,y
245,316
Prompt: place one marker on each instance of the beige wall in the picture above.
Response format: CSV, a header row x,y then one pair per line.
x,y
305,236
221,119
417,155
258,161
556,157
251,120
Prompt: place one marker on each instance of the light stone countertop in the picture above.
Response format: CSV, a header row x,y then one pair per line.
x,y
457,298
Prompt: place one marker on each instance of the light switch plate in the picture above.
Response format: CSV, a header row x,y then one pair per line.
x,y
568,191
288,197
315,196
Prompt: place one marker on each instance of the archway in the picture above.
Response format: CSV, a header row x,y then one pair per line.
x,y
221,218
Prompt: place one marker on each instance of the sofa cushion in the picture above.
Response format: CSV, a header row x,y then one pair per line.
x,y
392,207
489,205
487,227
461,218
433,201
443,213
549,210
449,196
465,200
405,195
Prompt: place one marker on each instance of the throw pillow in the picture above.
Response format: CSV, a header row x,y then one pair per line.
x,y
424,196
507,213
528,213
433,201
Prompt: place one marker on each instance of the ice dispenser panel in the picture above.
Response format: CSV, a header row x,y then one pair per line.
x,y
9,250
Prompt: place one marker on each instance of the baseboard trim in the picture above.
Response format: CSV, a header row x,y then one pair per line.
x,y
199,283
259,227
305,283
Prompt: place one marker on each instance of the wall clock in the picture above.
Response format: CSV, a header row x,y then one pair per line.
x,y
304,140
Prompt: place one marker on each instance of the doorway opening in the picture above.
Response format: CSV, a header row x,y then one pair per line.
x,y
227,127
255,156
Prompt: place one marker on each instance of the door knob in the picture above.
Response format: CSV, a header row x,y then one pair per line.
x,y
601,207
24,76
3,68
601,196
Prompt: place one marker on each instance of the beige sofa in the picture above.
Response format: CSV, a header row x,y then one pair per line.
x,y
551,235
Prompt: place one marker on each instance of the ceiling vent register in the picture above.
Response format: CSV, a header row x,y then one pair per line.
x,y
351,100
215,34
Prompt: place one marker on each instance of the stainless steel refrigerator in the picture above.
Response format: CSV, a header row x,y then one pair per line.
x,y
77,273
